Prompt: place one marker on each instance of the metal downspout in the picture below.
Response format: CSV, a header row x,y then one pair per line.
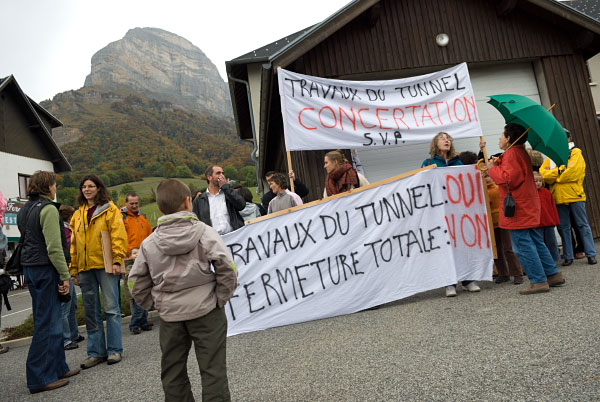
x,y
253,154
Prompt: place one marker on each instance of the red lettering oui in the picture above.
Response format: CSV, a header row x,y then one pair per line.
x,y
471,230
458,192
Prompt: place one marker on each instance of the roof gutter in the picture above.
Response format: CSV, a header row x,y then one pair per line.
x,y
569,13
253,154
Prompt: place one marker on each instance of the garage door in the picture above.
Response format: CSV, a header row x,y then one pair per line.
x,y
381,163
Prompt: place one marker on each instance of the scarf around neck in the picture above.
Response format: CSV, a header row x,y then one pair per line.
x,y
341,179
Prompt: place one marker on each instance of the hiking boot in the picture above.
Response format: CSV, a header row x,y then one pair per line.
x,y
50,387
146,327
450,291
556,280
518,279
92,361
71,346
70,373
567,262
79,339
592,261
114,358
501,279
135,330
534,288
472,287
3,349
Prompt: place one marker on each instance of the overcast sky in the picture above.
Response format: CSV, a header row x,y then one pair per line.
x,y
48,45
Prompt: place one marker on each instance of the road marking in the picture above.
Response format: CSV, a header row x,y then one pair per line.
x,y
17,312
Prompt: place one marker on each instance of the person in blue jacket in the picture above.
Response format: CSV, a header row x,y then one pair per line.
x,y
443,154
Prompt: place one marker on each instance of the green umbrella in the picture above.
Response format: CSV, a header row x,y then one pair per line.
x,y
545,135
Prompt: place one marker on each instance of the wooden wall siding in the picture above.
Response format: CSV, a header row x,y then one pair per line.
x,y
567,80
404,37
23,134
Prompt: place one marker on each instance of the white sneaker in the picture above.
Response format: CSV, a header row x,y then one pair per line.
x,y
472,287
450,291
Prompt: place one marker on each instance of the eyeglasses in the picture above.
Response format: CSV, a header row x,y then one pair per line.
x,y
90,186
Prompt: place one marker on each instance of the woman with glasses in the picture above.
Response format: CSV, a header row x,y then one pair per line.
x,y
97,214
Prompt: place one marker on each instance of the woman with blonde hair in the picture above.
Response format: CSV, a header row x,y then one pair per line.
x,y
441,149
341,176
97,214
442,152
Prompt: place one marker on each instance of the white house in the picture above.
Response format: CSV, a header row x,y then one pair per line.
x,y
26,145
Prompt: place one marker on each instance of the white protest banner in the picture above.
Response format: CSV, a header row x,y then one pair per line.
x,y
320,113
375,245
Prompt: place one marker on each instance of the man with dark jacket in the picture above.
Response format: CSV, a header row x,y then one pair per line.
x,y
219,205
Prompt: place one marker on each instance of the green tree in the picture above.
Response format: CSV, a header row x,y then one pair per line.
x,y
183,171
126,189
105,179
168,170
230,172
248,175
67,196
114,195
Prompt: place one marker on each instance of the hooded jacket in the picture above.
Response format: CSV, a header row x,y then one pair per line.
x,y
514,169
173,269
86,244
566,184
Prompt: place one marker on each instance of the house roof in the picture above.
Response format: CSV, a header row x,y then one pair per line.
x,y
591,8
585,13
61,164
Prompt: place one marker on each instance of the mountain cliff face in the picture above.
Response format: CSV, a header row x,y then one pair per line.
x,y
163,66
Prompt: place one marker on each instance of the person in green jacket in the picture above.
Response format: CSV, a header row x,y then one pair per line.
x,y
44,257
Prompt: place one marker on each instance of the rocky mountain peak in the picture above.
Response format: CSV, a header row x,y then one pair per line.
x,y
164,66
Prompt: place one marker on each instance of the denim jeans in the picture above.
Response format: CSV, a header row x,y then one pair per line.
x,y
90,282
70,330
577,210
46,357
549,237
529,246
139,316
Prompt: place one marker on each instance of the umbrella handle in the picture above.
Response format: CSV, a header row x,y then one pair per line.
x,y
483,168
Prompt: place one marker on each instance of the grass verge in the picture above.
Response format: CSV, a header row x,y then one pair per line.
x,y
26,328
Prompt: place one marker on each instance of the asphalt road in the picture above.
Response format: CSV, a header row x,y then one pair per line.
x,y
490,346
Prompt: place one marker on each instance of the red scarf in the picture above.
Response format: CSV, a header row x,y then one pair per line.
x,y
341,179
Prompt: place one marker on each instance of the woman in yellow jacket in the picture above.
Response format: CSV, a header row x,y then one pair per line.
x,y
566,185
96,214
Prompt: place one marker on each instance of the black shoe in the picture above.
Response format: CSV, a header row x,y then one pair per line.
x,y
136,330
71,346
79,339
592,261
146,327
566,263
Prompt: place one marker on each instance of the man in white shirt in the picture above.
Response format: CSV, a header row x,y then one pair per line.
x,y
219,205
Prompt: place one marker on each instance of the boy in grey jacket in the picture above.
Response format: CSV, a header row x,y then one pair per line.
x,y
173,273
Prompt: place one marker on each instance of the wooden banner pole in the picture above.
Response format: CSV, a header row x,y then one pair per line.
x,y
487,204
289,162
